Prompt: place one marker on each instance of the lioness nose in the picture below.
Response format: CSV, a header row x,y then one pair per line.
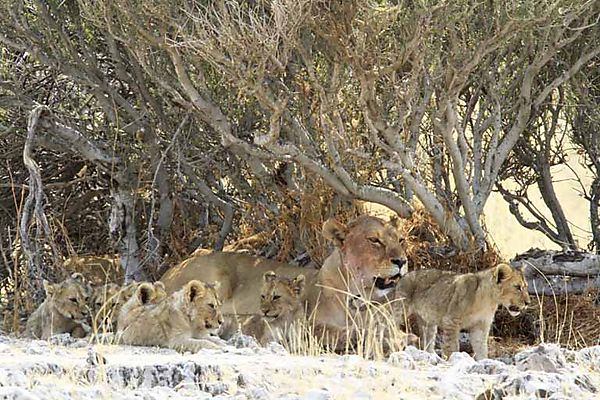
x,y
399,262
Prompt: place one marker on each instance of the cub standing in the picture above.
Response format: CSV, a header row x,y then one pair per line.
x,y
453,302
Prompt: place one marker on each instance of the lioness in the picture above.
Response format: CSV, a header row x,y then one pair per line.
x,y
368,251
453,302
182,321
97,270
281,306
64,310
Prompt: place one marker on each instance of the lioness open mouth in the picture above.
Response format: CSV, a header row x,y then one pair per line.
x,y
387,282
513,310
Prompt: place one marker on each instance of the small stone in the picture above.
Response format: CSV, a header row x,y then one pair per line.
x,y
488,367
423,356
317,394
460,358
545,358
402,359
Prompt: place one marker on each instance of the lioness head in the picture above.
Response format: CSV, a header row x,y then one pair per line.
x,y
280,295
512,288
69,297
372,250
202,305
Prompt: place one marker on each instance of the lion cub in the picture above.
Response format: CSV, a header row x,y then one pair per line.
x,y
64,310
181,321
136,299
281,304
105,304
453,302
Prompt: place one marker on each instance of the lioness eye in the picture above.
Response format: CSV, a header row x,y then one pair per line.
x,y
276,297
73,299
518,287
375,241
211,305
262,296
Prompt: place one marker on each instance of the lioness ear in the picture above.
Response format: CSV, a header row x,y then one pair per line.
x,y
193,290
335,231
144,293
78,277
502,272
269,276
395,221
48,287
298,284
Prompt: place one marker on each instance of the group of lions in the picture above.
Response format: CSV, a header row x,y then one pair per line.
x,y
210,295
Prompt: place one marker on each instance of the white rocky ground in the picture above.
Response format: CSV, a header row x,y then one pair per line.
x,y
64,368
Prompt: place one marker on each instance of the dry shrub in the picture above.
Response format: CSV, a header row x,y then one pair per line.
x,y
295,232
570,320
427,246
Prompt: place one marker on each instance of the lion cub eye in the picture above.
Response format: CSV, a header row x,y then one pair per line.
x,y
375,241
212,306
518,287
73,299
276,297
262,296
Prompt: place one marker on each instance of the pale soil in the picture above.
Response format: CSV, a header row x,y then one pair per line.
x,y
68,369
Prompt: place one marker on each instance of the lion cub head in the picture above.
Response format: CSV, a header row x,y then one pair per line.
x,y
512,288
281,296
136,298
200,303
372,250
104,297
69,298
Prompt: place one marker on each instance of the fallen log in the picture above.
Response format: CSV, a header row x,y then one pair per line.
x,y
551,272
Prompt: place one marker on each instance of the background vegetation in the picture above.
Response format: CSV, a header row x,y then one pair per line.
x,y
149,129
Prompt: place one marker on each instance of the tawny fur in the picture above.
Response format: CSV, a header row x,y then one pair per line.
x,y
367,248
451,302
182,321
281,306
104,304
135,299
64,310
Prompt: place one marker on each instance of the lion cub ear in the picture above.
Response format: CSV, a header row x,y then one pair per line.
x,y
298,284
194,290
216,285
144,293
502,272
269,276
335,231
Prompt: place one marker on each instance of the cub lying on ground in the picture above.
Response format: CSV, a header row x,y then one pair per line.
x,y
64,310
453,302
136,299
181,321
281,305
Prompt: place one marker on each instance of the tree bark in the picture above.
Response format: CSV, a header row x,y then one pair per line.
x,y
123,232
594,217
559,272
